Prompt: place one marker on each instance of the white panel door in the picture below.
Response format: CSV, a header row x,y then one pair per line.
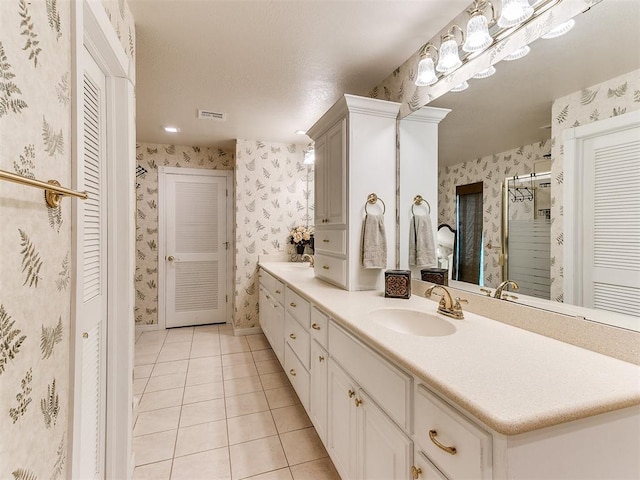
x,y
611,227
196,250
91,285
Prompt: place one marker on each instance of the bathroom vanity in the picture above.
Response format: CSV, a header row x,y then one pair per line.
x,y
397,391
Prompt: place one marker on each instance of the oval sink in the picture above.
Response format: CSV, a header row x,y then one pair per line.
x,y
412,322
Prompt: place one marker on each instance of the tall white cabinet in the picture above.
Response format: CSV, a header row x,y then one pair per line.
x,y
355,149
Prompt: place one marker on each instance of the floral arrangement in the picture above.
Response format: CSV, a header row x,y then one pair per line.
x,y
301,236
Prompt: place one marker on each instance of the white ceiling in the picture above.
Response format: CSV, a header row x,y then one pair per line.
x,y
273,66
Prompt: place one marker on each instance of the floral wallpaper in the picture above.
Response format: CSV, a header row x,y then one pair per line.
x,y
150,157
273,192
35,240
491,170
608,99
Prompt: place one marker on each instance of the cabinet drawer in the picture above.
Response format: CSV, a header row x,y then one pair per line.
x,y
390,387
298,338
332,241
424,468
273,286
437,422
298,307
319,326
297,375
334,270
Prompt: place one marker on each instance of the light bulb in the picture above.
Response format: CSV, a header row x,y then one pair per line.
x,y
514,12
426,73
478,37
559,30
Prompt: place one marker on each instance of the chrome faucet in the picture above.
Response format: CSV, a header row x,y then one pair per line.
x,y
311,259
447,306
502,286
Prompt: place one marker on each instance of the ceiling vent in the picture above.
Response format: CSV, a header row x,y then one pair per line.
x,y
210,115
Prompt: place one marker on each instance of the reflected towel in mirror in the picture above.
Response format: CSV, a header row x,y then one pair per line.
x,y
374,242
422,248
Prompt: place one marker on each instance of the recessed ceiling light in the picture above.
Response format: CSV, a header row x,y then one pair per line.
x,y
301,132
171,129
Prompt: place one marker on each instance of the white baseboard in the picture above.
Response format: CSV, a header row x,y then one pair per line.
x,y
238,332
147,328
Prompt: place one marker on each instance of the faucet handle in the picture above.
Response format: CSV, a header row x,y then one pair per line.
x,y
487,291
456,305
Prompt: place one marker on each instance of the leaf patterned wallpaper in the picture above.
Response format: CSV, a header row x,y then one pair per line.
x,y
491,170
273,192
150,157
35,240
609,99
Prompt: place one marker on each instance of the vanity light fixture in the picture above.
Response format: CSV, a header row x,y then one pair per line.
x,y
459,88
426,67
514,12
486,73
449,57
478,37
559,30
521,52
170,129
310,155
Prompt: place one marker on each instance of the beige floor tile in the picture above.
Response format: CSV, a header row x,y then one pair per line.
x,y
154,447
202,412
245,404
168,368
183,334
322,469
206,329
290,418
251,427
282,474
205,348
201,437
268,366
239,371
238,386
204,363
174,351
165,382
255,457
157,421
161,399
144,359
242,358
302,446
142,371
210,375
202,392
230,344
274,380
209,465
148,349
139,385
156,336
258,342
263,355
153,471
281,397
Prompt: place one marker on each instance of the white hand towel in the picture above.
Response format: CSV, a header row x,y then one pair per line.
x,y
374,242
422,248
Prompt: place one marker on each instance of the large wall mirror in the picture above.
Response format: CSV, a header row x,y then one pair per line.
x,y
506,131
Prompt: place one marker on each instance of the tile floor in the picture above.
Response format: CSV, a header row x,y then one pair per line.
x,y
215,406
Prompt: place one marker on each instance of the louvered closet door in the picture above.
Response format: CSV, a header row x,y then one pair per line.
x,y
196,242
611,232
91,293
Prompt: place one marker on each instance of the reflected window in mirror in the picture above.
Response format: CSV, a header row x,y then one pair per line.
x,y
469,220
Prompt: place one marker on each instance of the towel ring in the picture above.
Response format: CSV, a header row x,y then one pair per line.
x,y
418,200
372,198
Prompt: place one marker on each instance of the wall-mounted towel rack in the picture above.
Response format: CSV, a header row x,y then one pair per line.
x,y
53,192
372,199
419,200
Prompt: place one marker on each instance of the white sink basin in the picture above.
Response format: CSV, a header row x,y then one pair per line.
x,y
412,322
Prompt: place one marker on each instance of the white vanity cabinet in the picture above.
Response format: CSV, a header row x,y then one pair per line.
x,y
271,297
355,150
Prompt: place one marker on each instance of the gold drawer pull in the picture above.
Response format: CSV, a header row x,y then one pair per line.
x,y
326,267
315,326
325,240
268,297
293,304
292,372
450,450
351,393
416,472
320,358
278,292
292,336
358,402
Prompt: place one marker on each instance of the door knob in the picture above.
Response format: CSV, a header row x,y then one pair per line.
x,y
171,258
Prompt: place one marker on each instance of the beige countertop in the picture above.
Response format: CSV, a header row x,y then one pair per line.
x,y
513,380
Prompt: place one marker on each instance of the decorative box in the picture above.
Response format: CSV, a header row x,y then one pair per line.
x,y
397,283
435,275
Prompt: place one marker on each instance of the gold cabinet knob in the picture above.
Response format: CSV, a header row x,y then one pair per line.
x,y
325,240
171,258
292,372
292,304
278,292
450,450
415,472
85,335
315,326
358,402
320,358
292,336
351,393
268,297
326,267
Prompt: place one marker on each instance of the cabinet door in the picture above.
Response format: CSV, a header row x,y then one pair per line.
x,y
320,180
341,433
319,395
336,173
384,451
276,325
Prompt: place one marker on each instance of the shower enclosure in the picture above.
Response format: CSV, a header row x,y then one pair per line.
x,y
526,233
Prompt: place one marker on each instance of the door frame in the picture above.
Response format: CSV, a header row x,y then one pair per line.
x,y
91,29
162,229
